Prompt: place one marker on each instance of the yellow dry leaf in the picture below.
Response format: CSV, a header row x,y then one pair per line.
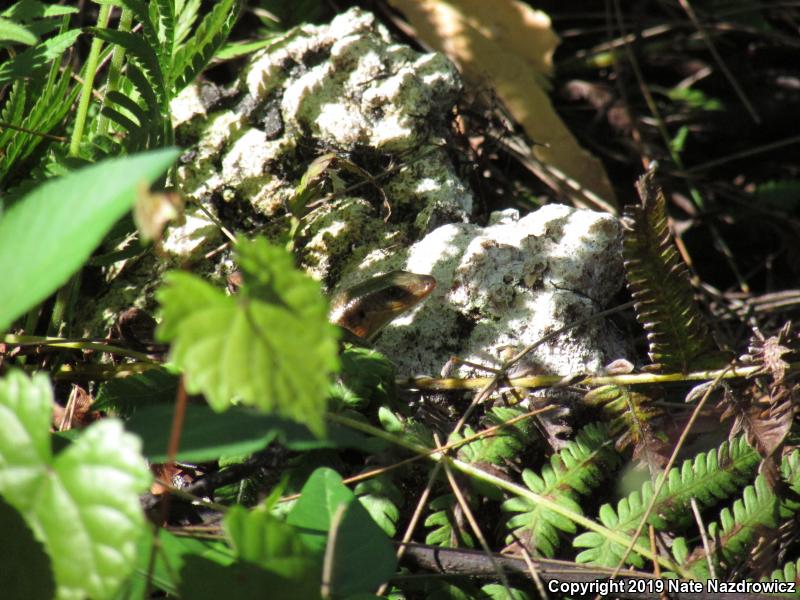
x,y
510,46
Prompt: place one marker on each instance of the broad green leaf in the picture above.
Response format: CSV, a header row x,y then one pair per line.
x,y
171,554
202,579
26,571
270,347
320,499
47,235
26,63
361,556
260,538
272,562
82,504
207,435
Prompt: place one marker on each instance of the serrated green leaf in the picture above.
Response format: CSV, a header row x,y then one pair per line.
x,y
83,503
445,532
198,50
48,234
14,32
271,347
26,63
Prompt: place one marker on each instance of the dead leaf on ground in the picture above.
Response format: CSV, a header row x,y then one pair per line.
x,y
509,46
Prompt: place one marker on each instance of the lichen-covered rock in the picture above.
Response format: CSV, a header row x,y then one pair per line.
x,y
507,285
344,88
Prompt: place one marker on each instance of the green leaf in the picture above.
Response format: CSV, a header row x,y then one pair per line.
x,y
127,395
211,33
171,554
366,375
26,63
83,503
14,32
202,579
321,497
26,566
271,556
271,347
381,497
260,538
360,555
47,235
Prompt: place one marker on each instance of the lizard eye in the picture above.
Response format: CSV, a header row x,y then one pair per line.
x,y
396,292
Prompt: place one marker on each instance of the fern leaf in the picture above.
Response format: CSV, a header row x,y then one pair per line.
x,y
186,15
631,413
708,478
141,12
677,333
166,27
448,525
129,105
790,573
32,60
503,445
738,531
142,52
790,470
626,518
575,470
51,102
209,37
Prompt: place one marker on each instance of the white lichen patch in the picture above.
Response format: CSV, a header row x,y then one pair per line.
x,y
505,286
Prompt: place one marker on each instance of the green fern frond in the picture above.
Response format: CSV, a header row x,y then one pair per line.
x,y
626,518
790,572
631,413
207,39
677,333
790,470
502,446
448,530
580,466
37,107
142,53
186,14
754,515
409,429
708,478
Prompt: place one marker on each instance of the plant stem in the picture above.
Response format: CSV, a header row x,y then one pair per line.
x,y
512,488
88,81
